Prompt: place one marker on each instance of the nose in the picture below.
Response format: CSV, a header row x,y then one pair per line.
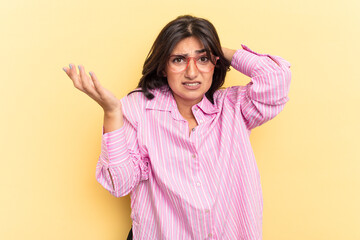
x,y
191,71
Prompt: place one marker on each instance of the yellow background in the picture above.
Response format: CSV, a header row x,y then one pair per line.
x,y
308,156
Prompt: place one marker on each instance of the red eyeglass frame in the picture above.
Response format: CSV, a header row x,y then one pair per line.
x,y
188,62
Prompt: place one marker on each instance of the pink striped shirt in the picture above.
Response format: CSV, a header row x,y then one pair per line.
x,y
202,186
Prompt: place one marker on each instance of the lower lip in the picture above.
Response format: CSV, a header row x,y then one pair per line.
x,y
194,87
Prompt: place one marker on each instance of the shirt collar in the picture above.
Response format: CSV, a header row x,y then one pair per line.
x,y
164,101
207,107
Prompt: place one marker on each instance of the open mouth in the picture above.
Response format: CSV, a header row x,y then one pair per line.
x,y
191,84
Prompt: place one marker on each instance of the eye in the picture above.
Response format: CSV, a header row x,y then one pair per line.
x,y
177,59
203,59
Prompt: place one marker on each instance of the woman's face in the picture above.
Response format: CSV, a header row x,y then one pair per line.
x,y
190,85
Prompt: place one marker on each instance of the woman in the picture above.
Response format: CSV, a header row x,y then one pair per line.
x,y
179,145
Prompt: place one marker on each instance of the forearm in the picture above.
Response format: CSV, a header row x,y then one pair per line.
x,y
265,96
270,76
121,166
118,180
115,168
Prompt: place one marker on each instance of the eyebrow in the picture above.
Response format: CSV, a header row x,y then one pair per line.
x,y
186,54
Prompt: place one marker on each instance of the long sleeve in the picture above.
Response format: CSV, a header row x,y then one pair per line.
x,y
121,158
265,96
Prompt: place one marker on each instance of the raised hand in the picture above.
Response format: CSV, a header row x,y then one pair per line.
x,y
92,87
113,116
228,53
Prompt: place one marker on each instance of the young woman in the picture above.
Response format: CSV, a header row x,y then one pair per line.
x,y
179,145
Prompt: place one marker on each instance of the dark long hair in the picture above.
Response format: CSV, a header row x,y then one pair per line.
x,y
175,31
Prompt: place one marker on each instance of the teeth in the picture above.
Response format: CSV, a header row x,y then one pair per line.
x,y
191,84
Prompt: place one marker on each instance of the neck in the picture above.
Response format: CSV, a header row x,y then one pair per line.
x,y
185,108
185,111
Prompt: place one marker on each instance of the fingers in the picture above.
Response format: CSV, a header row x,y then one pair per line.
x,y
91,86
96,84
82,81
84,78
87,83
67,69
72,74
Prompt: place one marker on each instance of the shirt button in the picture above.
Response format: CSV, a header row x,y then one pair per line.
x,y
198,184
193,129
193,156
195,108
207,210
210,235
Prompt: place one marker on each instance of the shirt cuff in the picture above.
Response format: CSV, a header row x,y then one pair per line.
x,y
113,148
244,60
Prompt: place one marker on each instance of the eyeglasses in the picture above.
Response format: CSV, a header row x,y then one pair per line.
x,y
179,63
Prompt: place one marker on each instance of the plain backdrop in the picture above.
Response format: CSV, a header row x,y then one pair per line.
x,y
308,156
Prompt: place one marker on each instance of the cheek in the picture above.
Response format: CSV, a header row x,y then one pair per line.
x,y
209,78
173,80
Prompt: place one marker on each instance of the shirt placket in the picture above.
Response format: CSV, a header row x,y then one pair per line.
x,y
207,216
193,138
204,228
210,234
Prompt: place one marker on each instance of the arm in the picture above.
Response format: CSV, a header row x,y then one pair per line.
x,y
265,96
120,166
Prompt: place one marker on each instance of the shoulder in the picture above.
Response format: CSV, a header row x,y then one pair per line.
x,y
135,97
133,105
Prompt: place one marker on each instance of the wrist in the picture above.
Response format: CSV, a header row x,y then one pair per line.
x,y
228,53
112,121
112,113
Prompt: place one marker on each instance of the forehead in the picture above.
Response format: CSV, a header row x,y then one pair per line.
x,y
190,45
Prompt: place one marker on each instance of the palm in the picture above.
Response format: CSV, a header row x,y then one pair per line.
x,y
92,87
